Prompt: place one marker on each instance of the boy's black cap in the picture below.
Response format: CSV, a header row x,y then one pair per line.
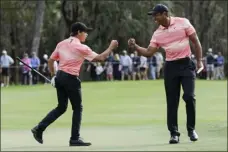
x,y
79,26
159,8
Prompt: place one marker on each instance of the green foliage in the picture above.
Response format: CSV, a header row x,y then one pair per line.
x,y
110,20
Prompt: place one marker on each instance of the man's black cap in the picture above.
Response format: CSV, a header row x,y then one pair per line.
x,y
79,26
159,8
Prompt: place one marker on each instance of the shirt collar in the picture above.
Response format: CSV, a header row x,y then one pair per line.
x,y
171,23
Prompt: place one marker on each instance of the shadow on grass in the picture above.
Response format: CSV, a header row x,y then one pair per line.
x,y
95,147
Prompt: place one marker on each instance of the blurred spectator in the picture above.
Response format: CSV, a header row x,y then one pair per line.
x,y
194,59
203,74
110,58
45,69
109,67
5,63
126,63
135,65
160,61
109,71
99,70
35,64
210,64
92,69
26,71
143,68
215,66
116,67
152,63
220,64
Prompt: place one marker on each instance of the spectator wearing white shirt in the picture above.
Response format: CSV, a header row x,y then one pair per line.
x,y
160,61
5,63
143,68
126,63
99,71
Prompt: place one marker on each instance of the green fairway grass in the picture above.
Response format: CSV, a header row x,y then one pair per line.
x,y
132,109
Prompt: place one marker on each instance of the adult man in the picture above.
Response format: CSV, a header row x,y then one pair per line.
x,y
220,64
5,63
152,63
160,62
173,36
26,71
35,64
109,67
70,53
126,63
143,67
210,64
135,66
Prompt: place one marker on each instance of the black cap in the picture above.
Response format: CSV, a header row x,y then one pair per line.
x,y
159,8
79,26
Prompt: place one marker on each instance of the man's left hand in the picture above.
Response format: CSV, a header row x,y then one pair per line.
x,y
200,66
131,42
53,81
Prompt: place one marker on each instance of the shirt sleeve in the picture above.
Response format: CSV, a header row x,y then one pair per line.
x,y
11,60
55,54
88,54
153,42
189,29
38,61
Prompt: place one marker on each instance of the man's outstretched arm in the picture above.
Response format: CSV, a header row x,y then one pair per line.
x,y
147,52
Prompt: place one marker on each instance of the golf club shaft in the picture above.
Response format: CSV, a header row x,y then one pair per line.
x,y
33,69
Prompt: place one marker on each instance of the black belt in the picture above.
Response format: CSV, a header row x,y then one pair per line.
x,y
180,61
67,74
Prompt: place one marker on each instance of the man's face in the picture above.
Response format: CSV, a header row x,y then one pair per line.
x,y
159,18
82,36
25,55
33,54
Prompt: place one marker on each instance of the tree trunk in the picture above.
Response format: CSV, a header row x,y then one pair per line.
x,y
62,31
39,17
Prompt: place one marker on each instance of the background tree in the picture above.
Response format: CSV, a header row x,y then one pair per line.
x,y
21,26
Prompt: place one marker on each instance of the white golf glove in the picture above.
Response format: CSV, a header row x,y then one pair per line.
x,y
53,81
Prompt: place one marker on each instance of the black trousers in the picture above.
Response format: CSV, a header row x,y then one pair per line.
x,y
67,86
35,76
176,74
26,78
